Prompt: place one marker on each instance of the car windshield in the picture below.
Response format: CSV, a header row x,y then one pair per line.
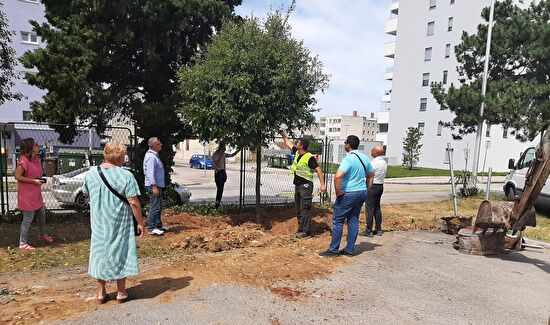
x,y
203,157
76,172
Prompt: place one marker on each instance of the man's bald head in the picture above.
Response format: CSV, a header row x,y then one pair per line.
x,y
377,151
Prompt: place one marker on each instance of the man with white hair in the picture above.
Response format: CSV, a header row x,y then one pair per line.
x,y
154,184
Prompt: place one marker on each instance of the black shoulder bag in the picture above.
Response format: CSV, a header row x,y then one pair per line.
x,y
364,168
120,196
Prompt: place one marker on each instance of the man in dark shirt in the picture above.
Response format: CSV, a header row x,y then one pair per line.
x,y
303,166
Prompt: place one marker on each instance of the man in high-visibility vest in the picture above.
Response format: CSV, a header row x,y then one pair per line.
x,y
303,166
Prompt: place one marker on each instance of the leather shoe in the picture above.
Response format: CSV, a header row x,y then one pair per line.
x,y
328,253
343,252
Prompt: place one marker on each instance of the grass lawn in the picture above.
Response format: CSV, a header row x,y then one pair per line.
x,y
400,171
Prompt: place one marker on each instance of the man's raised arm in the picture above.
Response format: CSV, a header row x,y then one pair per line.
x,y
287,142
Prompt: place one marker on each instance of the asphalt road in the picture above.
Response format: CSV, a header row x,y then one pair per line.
x,y
399,278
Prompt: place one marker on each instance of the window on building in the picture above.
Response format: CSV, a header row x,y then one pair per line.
x,y
421,126
445,76
425,79
423,104
428,54
488,131
27,116
439,128
433,4
450,25
452,2
383,127
29,37
431,26
505,133
447,50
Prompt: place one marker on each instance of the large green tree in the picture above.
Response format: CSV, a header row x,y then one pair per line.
x,y
253,78
7,62
106,60
518,89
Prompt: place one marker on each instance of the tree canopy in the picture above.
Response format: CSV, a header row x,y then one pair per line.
x,y
7,62
518,89
253,78
106,60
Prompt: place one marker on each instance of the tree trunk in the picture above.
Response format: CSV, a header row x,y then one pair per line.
x,y
258,182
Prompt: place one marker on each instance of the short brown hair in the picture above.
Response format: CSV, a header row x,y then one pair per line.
x,y
26,146
114,151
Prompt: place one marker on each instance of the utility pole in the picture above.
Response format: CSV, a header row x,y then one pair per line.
x,y
479,132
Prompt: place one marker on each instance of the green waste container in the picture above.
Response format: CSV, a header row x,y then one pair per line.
x,y
50,166
71,159
278,162
269,161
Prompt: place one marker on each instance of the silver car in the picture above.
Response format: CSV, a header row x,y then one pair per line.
x,y
67,188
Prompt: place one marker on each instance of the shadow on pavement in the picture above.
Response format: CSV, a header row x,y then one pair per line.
x,y
152,288
364,246
519,257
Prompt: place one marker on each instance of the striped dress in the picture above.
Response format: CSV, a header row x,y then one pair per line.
x,y
113,253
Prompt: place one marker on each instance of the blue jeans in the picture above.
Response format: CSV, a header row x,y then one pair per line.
x,y
153,218
347,207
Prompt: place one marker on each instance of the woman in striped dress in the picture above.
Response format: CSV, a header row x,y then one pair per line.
x,y
113,252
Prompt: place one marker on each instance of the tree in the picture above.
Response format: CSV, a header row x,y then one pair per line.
x,y
253,78
518,89
109,60
7,62
411,147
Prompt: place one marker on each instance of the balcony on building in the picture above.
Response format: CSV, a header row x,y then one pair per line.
x,y
387,96
388,75
394,7
391,26
389,49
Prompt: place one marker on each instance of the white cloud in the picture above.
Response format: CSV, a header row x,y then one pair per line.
x,y
348,36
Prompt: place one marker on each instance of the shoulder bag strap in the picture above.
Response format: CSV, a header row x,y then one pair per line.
x,y
104,179
364,168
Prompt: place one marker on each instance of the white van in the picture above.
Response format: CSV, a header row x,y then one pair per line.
x,y
515,180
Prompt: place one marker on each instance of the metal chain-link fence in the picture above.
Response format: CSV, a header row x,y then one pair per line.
x,y
64,163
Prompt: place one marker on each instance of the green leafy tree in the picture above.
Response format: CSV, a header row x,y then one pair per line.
x,y
518,88
109,60
7,62
253,78
411,147
315,145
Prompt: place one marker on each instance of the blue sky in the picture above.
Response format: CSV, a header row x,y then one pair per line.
x,y
348,37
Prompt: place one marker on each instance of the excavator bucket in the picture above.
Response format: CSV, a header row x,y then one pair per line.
x,y
494,215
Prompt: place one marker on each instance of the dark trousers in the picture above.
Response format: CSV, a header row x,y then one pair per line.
x,y
156,205
373,209
220,177
303,197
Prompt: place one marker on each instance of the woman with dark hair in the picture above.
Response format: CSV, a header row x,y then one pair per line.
x,y
29,195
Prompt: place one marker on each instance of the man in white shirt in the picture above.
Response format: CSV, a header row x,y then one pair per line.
x,y
373,210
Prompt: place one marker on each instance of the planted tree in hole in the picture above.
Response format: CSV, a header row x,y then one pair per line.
x,y
518,88
117,60
411,147
7,62
253,78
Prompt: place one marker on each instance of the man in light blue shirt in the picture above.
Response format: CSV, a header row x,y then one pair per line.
x,y
154,184
350,183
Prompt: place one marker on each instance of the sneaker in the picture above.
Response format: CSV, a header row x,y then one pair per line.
x,y
328,253
367,233
378,233
156,232
343,252
164,228
26,247
46,238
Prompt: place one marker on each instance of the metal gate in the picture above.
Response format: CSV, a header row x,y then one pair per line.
x,y
64,163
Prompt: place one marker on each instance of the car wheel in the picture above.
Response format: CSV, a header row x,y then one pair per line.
x,y
82,201
190,165
510,192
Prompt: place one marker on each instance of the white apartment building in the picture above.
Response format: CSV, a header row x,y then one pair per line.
x,y
426,32
340,126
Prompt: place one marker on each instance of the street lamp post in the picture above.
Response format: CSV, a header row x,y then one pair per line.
x,y
483,92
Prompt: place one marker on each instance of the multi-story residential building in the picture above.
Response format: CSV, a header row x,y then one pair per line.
x,y
426,33
19,13
340,126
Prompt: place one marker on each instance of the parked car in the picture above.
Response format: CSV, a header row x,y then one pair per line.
x,y
515,180
67,188
200,161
